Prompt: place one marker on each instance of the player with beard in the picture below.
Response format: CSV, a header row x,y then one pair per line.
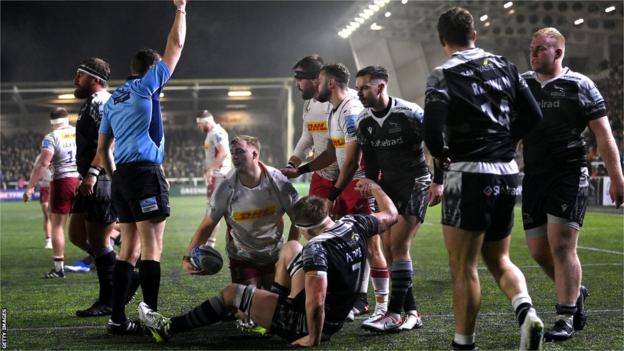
x,y
343,149
390,136
93,215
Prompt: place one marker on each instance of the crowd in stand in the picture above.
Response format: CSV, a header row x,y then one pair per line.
x,y
17,155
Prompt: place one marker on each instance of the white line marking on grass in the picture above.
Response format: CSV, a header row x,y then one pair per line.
x,y
582,264
601,250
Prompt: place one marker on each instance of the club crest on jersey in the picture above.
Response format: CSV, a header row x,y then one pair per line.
x,y
254,214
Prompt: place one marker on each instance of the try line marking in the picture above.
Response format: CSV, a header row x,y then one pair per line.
x,y
601,250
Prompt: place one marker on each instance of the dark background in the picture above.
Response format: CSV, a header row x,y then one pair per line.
x,y
44,41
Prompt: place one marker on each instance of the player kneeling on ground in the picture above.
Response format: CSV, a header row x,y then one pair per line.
x,y
315,285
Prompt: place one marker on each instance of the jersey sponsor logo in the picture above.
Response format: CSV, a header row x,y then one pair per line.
x,y
316,127
206,146
46,144
387,142
120,96
338,142
254,214
68,136
549,104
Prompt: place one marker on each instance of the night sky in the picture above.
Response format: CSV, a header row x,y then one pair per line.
x,y
44,41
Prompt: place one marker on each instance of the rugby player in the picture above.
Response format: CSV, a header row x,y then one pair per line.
x,y
58,149
556,181
470,101
218,160
390,137
252,199
318,282
342,148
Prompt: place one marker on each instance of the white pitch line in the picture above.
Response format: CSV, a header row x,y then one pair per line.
x,y
601,250
426,316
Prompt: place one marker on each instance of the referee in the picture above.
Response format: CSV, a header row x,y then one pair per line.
x,y
139,189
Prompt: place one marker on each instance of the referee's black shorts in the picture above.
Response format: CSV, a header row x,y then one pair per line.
x,y
140,192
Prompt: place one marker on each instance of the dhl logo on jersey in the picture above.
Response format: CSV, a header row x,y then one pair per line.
x,y
254,214
206,146
68,136
338,142
316,127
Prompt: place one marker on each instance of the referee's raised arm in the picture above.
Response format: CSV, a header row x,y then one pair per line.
x,y
176,37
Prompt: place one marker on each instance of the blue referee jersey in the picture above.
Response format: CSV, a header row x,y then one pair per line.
x,y
132,115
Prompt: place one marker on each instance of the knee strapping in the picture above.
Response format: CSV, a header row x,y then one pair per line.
x,y
243,297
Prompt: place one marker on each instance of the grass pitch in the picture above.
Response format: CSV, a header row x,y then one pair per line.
x,y
40,313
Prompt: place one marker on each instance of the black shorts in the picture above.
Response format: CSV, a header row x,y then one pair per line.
x,y
140,192
409,194
559,194
480,202
97,207
289,319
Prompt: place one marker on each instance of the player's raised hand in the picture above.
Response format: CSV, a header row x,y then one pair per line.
x,y
180,4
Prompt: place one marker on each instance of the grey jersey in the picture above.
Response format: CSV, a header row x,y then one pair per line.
x,y
254,215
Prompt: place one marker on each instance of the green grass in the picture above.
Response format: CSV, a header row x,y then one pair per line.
x,y
40,313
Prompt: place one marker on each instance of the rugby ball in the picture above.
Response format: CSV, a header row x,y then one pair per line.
x,y
207,259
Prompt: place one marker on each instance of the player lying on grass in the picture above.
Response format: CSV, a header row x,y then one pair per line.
x,y
315,285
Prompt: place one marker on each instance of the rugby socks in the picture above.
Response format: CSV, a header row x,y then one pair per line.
x,y
105,264
410,301
521,304
279,289
149,272
381,283
211,311
58,263
566,313
463,342
122,274
401,276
